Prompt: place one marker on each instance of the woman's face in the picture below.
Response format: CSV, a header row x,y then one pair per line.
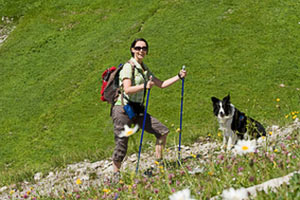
x,y
139,50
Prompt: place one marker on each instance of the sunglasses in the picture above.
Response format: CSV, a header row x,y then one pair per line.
x,y
141,48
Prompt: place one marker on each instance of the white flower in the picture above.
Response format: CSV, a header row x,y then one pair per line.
x,y
232,194
197,170
245,146
129,131
181,195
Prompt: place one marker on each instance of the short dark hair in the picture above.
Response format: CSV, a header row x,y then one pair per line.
x,y
135,41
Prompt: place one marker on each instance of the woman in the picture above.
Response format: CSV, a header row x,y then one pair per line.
x,y
133,85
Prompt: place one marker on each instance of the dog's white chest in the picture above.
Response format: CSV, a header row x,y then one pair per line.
x,y
225,126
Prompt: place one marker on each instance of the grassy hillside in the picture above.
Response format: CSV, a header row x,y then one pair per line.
x,y
50,112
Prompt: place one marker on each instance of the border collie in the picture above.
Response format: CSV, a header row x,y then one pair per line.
x,y
235,124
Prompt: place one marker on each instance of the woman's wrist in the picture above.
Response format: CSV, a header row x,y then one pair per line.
x,y
179,76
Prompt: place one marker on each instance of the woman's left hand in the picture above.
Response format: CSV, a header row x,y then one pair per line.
x,y
182,73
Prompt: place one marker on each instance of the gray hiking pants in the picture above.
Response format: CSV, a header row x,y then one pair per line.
x,y
120,118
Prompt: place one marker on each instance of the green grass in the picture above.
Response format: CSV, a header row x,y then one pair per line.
x,y
51,64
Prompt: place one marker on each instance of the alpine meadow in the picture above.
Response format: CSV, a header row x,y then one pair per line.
x,y
52,56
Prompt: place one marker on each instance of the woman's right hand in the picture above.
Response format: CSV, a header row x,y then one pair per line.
x,y
150,83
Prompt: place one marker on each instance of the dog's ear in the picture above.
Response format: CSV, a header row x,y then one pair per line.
x,y
226,99
215,100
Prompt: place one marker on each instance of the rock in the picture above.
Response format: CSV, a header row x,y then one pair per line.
x,y
3,189
38,176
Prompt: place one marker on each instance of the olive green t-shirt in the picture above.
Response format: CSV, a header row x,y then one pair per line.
x,y
126,72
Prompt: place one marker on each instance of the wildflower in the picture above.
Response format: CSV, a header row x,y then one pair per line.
x,y
277,99
78,181
275,150
129,131
286,116
274,164
251,178
245,146
181,195
270,133
219,134
294,117
121,182
240,169
171,176
221,157
178,130
209,134
196,170
156,162
232,194
193,155
11,192
106,190
156,190
210,173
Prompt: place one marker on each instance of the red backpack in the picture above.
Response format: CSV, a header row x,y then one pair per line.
x,y
110,88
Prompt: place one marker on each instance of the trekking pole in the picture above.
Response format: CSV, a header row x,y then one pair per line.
x,y
181,108
141,141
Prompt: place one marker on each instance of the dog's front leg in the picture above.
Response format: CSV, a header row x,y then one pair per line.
x,y
224,141
231,140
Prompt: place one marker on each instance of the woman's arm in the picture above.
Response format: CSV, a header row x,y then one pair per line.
x,y
170,81
128,89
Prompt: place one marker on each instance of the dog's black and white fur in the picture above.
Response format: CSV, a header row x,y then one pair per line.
x,y
235,124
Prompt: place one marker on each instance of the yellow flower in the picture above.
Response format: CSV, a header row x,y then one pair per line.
x,y
106,190
295,116
160,167
11,192
78,181
178,130
277,99
121,182
156,162
270,133
274,163
275,150
129,187
193,155
28,192
287,116
209,134
245,148
219,134
210,173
